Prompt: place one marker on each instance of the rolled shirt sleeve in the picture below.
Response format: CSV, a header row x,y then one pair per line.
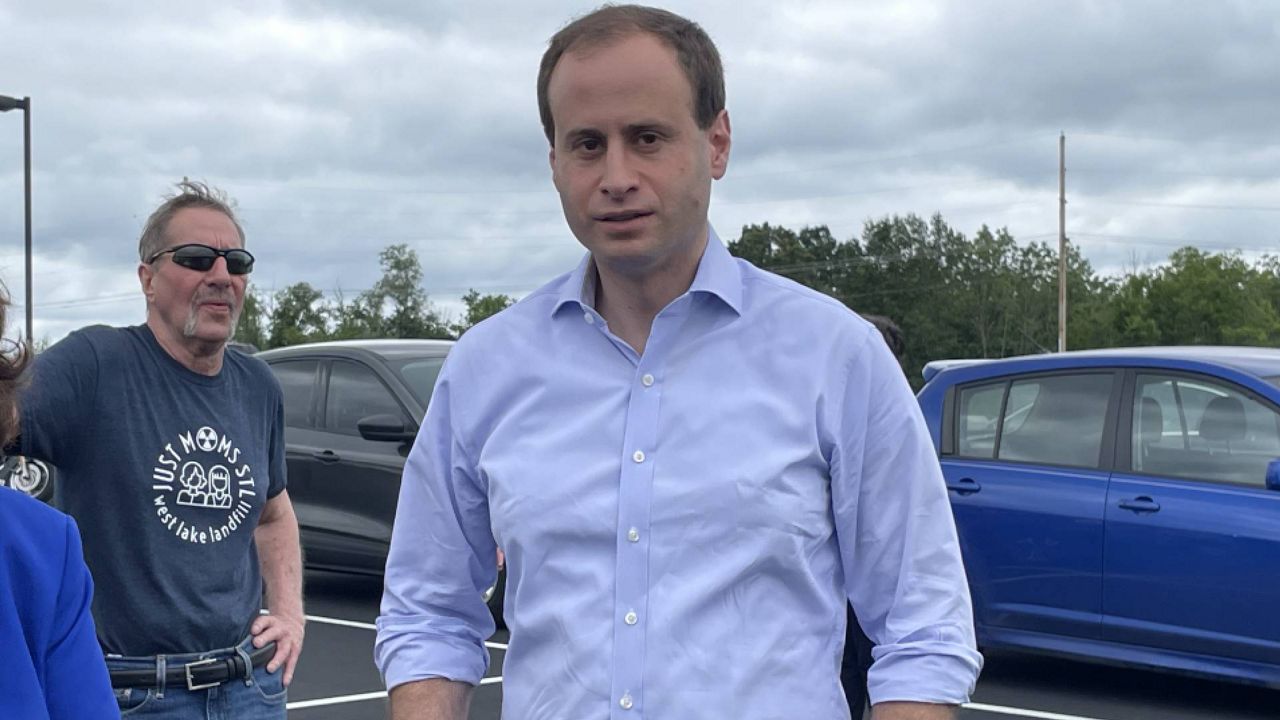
x,y
903,570
434,621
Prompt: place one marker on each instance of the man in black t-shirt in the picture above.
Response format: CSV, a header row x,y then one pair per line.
x,y
170,454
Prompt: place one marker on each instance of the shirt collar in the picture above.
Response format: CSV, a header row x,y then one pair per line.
x,y
718,275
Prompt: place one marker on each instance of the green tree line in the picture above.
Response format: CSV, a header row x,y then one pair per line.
x,y
396,306
989,296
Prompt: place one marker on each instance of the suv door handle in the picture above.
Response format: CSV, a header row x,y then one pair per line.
x,y
964,486
326,456
1141,504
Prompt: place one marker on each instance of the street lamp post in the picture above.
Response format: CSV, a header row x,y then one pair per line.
x,y
7,103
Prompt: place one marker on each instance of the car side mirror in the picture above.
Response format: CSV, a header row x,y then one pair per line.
x,y
1273,475
385,428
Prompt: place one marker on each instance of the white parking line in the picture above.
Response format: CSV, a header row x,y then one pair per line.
x,y
370,626
321,702
1019,712
344,623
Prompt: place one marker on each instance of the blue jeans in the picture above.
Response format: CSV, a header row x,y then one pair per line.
x,y
261,696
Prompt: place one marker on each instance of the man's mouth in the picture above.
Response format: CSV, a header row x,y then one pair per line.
x,y
622,216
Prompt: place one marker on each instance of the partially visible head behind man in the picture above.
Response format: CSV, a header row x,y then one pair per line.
x,y
694,50
14,358
891,332
190,194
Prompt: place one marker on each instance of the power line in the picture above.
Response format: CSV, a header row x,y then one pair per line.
x,y
1252,146
1180,173
1187,206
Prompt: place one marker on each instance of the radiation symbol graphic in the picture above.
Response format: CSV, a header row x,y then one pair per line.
x,y
207,439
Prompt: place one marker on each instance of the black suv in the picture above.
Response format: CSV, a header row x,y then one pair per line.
x,y
351,411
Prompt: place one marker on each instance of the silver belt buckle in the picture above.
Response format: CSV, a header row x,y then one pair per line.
x,y
191,683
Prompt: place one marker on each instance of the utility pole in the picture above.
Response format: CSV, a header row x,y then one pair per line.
x,y
1062,242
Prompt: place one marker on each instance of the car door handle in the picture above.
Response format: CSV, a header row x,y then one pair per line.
x,y
1141,504
326,456
964,486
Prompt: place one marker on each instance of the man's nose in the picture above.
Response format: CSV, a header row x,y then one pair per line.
x,y
218,274
619,172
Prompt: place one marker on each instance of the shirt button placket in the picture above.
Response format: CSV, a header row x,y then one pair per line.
x,y
634,504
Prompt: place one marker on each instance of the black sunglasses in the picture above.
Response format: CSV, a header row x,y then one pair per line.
x,y
202,257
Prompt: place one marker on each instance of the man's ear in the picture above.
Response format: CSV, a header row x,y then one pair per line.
x,y
719,137
551,158
146,276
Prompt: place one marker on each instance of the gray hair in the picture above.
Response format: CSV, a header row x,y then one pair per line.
x,y
189,194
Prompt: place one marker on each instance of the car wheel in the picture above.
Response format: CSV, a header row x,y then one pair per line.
x,y
493,597
33,477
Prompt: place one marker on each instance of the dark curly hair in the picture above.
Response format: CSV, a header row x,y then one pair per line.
x,y
14,358
892,334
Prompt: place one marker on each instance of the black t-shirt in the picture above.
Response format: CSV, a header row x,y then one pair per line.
x,y
166,471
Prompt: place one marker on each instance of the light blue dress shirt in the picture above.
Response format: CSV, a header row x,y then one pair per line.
x,y
682,528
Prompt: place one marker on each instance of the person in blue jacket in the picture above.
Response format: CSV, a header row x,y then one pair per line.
x,y
51,665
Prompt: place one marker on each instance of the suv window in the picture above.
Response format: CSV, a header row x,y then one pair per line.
x,y
355,393
1199,429
297,383
420,375
1056,419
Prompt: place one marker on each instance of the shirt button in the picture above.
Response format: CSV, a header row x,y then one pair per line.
x,y
631,618
638,456
633,535
647,380
626,702
589,318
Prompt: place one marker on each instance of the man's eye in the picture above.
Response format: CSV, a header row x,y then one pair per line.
x,y
589,144
648,138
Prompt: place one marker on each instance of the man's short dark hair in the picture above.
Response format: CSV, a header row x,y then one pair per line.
x,y
892,334
694,51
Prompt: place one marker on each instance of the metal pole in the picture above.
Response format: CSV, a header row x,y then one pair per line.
x,y
26,172
1062,242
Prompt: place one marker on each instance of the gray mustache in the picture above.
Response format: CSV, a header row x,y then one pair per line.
x,y
217,296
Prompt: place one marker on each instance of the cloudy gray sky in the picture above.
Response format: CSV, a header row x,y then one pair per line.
x,y
343,126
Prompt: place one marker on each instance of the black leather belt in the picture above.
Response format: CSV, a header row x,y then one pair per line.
x,y
194,675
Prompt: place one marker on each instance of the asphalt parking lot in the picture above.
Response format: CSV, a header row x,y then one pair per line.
x,y
336,679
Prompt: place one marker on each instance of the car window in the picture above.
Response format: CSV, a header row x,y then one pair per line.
x,y
1199,429
1056,420
979,409
420,375
355,393
297,382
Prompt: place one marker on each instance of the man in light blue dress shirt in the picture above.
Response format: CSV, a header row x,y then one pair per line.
x,y
690,463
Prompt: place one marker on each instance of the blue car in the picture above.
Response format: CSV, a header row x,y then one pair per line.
x,y
1121,505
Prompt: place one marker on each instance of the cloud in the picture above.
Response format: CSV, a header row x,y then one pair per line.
x,y
344,127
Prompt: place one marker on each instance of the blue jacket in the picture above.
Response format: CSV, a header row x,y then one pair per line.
x,y
51,666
